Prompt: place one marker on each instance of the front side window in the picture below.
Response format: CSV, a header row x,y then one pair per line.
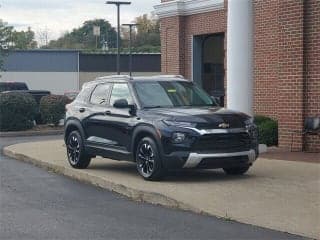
x,y
100,94
120,91
171,94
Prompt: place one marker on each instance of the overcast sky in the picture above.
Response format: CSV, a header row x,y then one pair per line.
x,y
59,16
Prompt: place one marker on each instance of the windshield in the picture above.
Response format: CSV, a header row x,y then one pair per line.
x,y
171,94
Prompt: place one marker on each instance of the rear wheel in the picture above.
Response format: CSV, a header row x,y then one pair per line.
x,y
75,150
148,160
236,170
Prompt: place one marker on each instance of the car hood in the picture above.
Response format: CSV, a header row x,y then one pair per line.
x,y
202,117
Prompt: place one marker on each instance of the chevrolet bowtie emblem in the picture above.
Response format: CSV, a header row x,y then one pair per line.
x,y
224,125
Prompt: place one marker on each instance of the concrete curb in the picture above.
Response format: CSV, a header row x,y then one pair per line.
x,y
31,133
134,194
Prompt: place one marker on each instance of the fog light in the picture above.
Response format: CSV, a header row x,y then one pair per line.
x,y
178,137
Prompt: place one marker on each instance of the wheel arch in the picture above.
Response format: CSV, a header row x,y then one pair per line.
x,y
73,125
141,132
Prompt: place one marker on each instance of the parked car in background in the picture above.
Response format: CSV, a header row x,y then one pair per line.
x,y
161,123
9,86
71,95
23,88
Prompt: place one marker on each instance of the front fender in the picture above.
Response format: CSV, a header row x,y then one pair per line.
x,y
148,130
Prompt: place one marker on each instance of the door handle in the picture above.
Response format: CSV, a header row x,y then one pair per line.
x,y
107,112
82,110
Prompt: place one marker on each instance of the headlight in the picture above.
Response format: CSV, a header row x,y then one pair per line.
x,y
249,121
251,128
178,137
179,124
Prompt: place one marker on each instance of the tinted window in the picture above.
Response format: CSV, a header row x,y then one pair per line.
x,y
152,94
84,94
120,91
100,94
171,94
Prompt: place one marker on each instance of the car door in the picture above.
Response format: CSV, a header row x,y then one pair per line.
x,y
95,124
120,121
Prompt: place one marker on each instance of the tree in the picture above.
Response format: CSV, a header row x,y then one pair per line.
x,y
83,38
148,31
24,39
12,39
5,35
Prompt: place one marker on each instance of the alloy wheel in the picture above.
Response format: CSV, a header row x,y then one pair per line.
x,y
73,149
145,159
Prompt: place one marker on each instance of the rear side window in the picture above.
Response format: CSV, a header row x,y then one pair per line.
x,y
100,94
84,94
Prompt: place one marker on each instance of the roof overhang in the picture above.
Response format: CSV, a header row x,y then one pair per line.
x,y
187,7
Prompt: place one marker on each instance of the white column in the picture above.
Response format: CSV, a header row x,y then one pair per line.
x,y
240,56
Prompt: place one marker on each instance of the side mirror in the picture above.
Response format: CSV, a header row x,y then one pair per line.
x,y
216,100
121,103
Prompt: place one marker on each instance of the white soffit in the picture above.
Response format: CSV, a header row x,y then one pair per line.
x,y
187,7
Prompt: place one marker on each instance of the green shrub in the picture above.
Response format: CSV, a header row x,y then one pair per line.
x,y
52,108
17,111
267,130
258,119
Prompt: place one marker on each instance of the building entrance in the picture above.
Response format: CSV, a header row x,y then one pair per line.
x,y
208,63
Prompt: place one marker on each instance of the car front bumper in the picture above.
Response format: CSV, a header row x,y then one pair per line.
x,y
184,159
195,159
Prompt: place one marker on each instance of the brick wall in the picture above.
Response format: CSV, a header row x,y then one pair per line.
x,y
266,72
311,65
172,45
278,65
290,86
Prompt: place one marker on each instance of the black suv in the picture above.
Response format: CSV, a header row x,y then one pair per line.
x,y
161,123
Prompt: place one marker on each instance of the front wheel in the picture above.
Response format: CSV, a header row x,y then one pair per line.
x,y
236,170
148,160
75,150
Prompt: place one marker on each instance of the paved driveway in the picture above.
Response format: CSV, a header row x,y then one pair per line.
x,y
277,194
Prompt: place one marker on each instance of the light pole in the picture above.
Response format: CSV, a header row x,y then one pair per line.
x,y
118,3
131,26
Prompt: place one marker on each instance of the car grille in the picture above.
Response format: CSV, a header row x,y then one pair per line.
x,y
223,162
224,142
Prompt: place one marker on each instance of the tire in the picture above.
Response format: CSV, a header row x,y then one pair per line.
x,y
148,160
77,157
236,170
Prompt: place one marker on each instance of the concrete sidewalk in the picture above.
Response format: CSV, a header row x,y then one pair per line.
x,y
280,195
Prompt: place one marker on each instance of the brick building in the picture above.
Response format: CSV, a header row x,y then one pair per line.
x,y
285,56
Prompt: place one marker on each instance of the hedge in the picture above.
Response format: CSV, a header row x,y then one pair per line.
x,y
52,108
267,130
17,111
258,119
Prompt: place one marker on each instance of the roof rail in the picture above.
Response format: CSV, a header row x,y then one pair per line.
x,y
114,76
169,76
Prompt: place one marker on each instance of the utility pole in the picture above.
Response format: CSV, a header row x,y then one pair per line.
x,y
118,3
131,26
